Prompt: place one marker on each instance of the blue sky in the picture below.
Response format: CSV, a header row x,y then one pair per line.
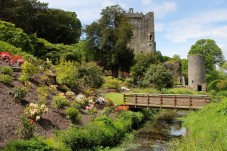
x,y
178,23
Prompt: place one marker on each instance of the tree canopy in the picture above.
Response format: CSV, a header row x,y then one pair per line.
x,y
210,50
54,25
158,76
107,40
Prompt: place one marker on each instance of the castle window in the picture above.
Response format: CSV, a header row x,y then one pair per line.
x,y
150,37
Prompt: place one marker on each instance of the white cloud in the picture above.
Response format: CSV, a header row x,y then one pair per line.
x,y
206,24
147,2
160,9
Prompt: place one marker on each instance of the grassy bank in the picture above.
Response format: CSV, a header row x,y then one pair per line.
x,y
206,129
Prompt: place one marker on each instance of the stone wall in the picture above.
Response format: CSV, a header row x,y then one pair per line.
x,y
143,40
196,72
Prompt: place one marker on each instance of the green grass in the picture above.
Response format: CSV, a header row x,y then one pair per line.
x,y
117,98
206,129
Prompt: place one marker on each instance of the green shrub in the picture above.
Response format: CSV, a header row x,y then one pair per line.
x,y
73,114
26,128
59,102
42,93
28,145
90,75
57,145
97,132
28,70
4,78
6,70
66,73
19,93
112,83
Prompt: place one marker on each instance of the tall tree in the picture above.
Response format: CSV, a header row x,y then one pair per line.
x,y
210,50
107,40
54,25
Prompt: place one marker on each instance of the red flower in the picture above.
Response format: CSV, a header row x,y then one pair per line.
x,y
31,121
5,55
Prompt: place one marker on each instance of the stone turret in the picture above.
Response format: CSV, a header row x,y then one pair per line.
x,y
143,40
196,72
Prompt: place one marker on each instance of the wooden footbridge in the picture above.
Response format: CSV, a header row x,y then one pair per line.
x,y
171,101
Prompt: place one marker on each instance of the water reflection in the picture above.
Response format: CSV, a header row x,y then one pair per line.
x,y
154,136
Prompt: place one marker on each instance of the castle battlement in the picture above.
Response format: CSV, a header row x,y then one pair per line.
x,y
143,40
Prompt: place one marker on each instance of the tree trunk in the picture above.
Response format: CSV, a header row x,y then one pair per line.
x,y
114,71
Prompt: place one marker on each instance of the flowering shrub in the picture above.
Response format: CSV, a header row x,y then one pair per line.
x,y
19,93
121,108
12,60
5,55
34,111
26,128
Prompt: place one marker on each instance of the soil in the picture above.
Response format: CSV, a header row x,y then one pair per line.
x,y
11,111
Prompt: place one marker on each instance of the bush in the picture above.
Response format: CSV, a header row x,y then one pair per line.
x,y
66,73
4,78
90,75
42,93
19,93
112,83
6,70
28,70
73,114
59,102
28,145
26,128
97,132
35,111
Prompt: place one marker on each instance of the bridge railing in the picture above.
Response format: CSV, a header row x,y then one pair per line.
x,y
175,101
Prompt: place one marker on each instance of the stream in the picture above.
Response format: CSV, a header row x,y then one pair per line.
x,y
155,136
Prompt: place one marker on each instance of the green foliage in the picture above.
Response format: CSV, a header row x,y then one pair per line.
x,y
206,129
221,85
6,70
15,36
112,83
90,75
159,77
98,131
28,145
42,93
28,70
73,114
26,128
59,102
210,50
66,73
5,78
212,85
143,61
19,93
10,48
56,145
107,40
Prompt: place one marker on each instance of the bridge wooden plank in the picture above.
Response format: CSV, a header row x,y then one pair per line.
x,y
175,101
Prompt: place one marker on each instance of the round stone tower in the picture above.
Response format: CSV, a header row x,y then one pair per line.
x,y
196,72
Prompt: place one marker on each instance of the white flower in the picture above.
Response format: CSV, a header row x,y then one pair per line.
x,y
37,118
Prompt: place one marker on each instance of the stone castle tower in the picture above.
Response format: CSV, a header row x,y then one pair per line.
x,y
143,35
196,72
